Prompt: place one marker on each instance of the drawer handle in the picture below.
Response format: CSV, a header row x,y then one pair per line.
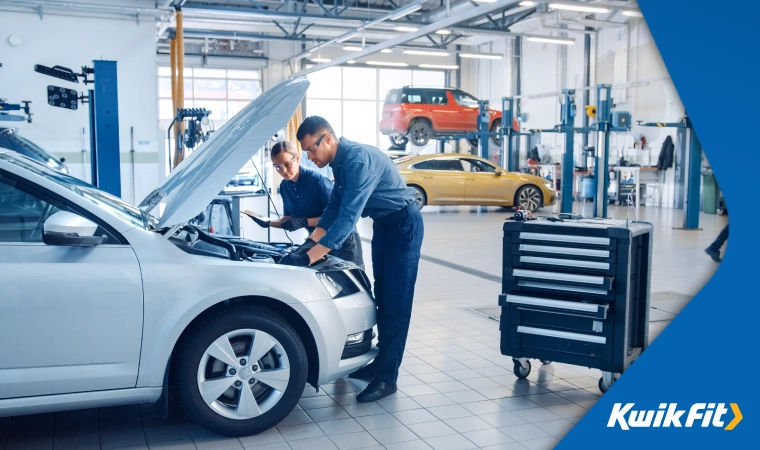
x,y
574,306
562,335
588,279
565,250
565,262
565,238
559,287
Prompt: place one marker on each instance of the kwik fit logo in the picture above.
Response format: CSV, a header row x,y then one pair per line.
x,y
668,415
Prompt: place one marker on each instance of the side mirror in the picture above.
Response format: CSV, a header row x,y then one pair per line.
x,y
499,171
63,160
66,228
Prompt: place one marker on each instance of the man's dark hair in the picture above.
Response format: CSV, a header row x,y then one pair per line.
x,y
313,125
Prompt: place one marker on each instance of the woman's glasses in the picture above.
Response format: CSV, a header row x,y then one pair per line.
x,y
287,165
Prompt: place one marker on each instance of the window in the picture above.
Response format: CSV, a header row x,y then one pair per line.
x,y
439,164
424,165
351,99
466,100
436,97
413,96
476,165
24,209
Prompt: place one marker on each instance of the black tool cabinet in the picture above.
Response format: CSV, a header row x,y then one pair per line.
x,y
576,292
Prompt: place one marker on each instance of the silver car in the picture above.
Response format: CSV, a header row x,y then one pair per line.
x,y
105,304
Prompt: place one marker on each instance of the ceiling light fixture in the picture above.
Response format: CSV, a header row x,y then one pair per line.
x,y
579,8
438,66
633,13
384,63
425,53
407,29
485,1
443,32
386,50
405,13
551,40
480,56
352,61
350,48
527,3
321,60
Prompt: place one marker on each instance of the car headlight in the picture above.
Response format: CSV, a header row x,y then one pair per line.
x,y
337,283
549,184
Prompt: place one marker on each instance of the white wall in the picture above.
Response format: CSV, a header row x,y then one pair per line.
x,y
74,42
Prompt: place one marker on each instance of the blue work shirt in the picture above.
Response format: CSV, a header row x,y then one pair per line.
x,y
367,184
307,197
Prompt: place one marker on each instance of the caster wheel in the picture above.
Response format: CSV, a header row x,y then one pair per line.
x,y
720,212
521,371
545,361
603,386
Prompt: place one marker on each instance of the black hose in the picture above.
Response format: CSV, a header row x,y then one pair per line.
x,y
205,237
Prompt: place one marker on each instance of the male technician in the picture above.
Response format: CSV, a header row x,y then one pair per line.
x,y
367,183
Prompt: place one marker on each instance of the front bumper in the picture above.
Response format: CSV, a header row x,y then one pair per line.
x,y
337,319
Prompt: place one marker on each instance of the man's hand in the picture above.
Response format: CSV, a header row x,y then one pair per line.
x,y
292,259
295,223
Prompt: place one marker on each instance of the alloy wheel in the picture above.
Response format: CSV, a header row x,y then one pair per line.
x,y
243,374
529,198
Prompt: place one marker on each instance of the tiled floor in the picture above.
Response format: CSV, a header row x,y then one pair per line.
x,y
456,391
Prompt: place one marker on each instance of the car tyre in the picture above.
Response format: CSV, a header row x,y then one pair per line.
x,y
239,371
529,198
420,133
419,197
398,142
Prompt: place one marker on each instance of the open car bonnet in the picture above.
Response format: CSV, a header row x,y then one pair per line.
x,y
195,182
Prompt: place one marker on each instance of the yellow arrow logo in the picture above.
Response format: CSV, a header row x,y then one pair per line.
x,y
737,417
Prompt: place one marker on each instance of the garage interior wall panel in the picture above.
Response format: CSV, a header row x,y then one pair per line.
x,y
80,41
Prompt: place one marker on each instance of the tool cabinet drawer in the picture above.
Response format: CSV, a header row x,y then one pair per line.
x,y
581,266
565,240
597,282
559,307
593,347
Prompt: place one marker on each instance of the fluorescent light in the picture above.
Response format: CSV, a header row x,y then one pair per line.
x,y
580,8
406,29
350,48
321,60
485,1
527,3
386,50
405,12
551,40
353,61
633,13
443,32
438,66
384,63
425,52
480,56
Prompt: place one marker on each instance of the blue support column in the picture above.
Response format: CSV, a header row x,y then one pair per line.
x,y
484,119
104,129
693,185
568,159
601,171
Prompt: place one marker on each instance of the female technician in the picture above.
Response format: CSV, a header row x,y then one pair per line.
x,y
305,194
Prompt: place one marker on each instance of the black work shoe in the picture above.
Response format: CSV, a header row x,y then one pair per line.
x,y
365,373
376,390
714,254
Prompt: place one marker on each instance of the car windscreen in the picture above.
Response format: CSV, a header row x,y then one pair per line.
x,y
109,202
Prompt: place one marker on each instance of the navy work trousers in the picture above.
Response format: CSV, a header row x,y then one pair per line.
x,y
395,258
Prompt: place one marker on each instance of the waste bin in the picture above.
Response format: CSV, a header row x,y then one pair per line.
x,y
588,188
709,193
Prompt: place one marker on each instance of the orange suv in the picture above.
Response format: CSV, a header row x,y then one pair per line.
x,y
419,114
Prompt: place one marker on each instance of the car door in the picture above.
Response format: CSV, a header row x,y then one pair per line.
x,y
444,179
467,111
70,317
443,112
484,185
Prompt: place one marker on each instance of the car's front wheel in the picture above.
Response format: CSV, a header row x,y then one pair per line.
x,y
529,198
240,370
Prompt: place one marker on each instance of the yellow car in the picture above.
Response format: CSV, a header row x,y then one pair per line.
x,y
461,179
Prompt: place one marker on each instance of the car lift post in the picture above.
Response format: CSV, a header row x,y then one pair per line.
x,y
105,156
566,126
484,120
603,126
689,158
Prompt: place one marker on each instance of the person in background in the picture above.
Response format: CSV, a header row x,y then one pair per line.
x,y
305,195
714,249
